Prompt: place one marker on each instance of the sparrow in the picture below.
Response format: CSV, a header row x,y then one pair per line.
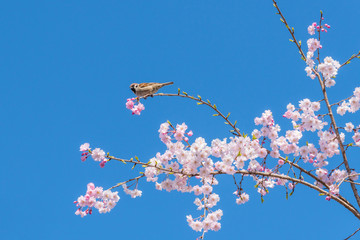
x,y
147,89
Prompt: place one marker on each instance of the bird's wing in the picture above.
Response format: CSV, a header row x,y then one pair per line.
x,y
142,85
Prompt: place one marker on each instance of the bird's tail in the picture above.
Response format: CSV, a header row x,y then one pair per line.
x,y
167,83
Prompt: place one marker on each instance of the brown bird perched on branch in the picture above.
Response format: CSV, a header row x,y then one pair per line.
x,y
147,89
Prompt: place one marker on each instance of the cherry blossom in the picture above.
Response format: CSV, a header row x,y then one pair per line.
x,y
272,156
96,198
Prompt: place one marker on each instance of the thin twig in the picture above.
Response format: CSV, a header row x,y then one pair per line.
x,y
352,234
199,100
349,176
291,31
338,103
351,58
318,50
122,183
352,182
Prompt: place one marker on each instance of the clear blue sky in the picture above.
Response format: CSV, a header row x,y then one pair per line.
x,y
65,71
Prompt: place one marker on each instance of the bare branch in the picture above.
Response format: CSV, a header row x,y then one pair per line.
x,y
352,234
199,100
291,31
338,103
122,183
351,58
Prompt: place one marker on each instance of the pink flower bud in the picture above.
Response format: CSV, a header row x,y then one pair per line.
x,y
102,164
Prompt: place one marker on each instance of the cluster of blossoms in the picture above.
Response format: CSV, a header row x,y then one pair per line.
x,y
311,29
305,113
193,168
165,133
328,144
310,122
356,138
334,180
195,158
85,151
95,197
135,109
133,193
184,160
189,160
242,198
209,223
349,127
329,68
97,154
352,105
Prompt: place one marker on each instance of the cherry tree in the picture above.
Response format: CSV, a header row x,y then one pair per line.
x,y
270,157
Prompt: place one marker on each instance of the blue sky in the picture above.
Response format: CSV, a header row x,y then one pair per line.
x,y
65,70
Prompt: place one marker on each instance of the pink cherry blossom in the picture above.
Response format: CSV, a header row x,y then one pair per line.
x,y
129,103
97,154
349,127
313,44
84,147
95,197
133,193
135,109
311,29
243,198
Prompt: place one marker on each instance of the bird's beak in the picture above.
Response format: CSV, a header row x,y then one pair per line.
x,y
132,88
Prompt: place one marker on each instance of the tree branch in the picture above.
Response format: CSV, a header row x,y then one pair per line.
x,y
248,173
352,234
291,31
200,101
351,58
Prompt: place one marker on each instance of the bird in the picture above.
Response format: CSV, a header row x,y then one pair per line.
x,y
147,89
